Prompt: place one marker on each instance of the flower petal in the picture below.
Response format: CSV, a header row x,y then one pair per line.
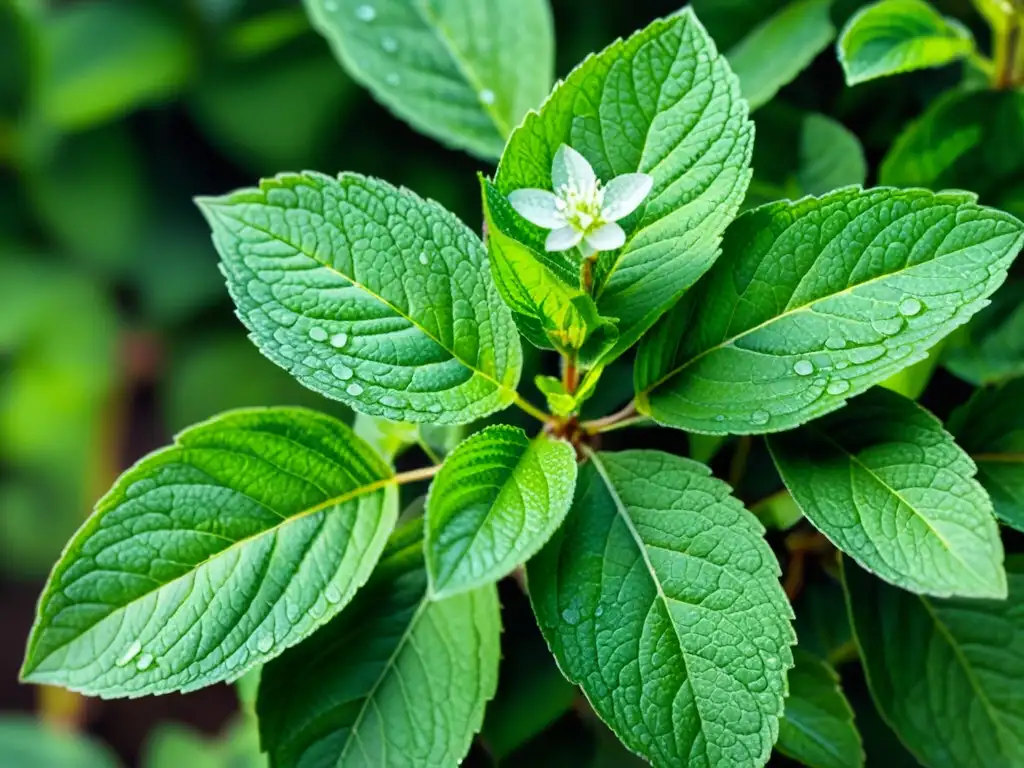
x,y
537,206
607,238
571,169
563,239
624,194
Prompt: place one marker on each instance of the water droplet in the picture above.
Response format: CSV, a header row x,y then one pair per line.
x,y
487,96
145,662
803,368
834,342
339,340
130,653
862,355
772,662
333,594
393,78
318,334
890,326
838,387
571,615
599,610
760,418
842,365
390,402
342,372
354,389
910,307
820,382
389,44
435,408
720,418
423,258
366,13
265,643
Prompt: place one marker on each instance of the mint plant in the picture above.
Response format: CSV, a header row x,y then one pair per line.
x,y
276,539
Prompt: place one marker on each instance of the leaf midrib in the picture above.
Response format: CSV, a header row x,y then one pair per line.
x,y
372,294
642,394
334,501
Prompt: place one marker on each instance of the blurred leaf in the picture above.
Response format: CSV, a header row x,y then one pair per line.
x,y
225,371
309,95
817,728
966,139
704,448
16,50
990,348
894,36
464,72
778,512
172,745
822,626
91,197
265,33
27,743
107,58
913,381
387,438
729,21
830,156
780,48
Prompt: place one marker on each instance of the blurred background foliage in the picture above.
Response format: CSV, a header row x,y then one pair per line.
x,y
116,330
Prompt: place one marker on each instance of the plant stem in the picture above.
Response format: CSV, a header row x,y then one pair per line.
x,y
617,420
571,376
415,475
531,409
1008,52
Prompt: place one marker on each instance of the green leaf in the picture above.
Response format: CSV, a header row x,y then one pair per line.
x,y
660,597
173,745
990,427
461,71
369,295
945,674
831,156
778,512
107,58
663,102
780,48
396,680
814,302
965,139
28,743
820,628
213,556
387,438
818,728
990,348
894,36
495,502
889,487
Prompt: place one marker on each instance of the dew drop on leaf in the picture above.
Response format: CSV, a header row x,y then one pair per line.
x,y
835,342
760,418
487,96
389,44
390,402
772,662
803,368
838,387
393,78
910,307
363,12
342,372
265,643
889,326
599,610
423,258
720,418
339,340
317,334
435,408
130,653
354,389
145,662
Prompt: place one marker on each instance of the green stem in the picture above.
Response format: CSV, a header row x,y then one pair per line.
x,y
531,409
626,417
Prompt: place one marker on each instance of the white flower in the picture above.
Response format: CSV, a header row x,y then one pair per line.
x,y
580,210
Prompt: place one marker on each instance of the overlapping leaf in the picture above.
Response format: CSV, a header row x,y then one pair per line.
x,y
990,348
991,428
945,674
660,597
370,295
396,680
214,555
813,302
894,36
462,71
496,501
663,102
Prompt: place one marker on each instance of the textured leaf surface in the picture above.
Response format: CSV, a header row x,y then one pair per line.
x,y
965,139
813,302
991,428
888,486
660,597
370,295
896,36
945,674
663,102
396,680
214,555
780,48
990,348
818,728
496,501
462,71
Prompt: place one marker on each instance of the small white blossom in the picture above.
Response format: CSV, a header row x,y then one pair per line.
x,y
580,211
